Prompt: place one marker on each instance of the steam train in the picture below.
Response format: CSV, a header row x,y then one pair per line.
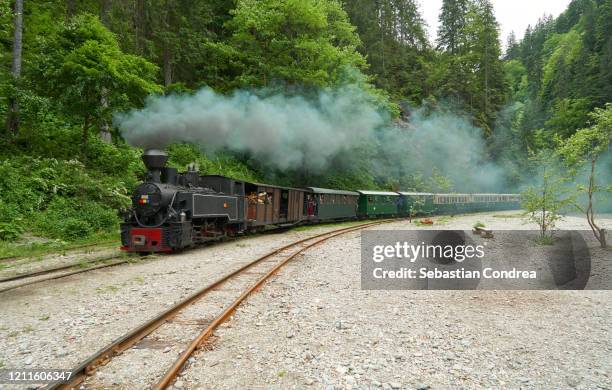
x,y
171,210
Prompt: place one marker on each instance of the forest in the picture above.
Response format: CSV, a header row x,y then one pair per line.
x,y
361,96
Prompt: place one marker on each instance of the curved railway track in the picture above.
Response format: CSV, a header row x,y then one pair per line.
x,y
6,284
103,244
194,317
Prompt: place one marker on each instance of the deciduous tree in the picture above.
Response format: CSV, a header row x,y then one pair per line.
x,y
582,150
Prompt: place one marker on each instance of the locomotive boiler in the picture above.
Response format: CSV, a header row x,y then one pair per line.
x,y
172,210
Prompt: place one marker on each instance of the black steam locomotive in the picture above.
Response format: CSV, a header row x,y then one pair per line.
x,y
172,210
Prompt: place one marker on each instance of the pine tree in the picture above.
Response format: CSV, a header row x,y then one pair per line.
x,y
490,71
394,43
452,23
512,47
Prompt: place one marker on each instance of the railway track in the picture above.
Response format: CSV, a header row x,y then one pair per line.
x,y
22,280
104,244
26,279
158,350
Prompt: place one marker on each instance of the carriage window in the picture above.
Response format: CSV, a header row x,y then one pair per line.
x,y
370,199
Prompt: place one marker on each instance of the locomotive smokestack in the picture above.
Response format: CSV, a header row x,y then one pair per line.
x,y
154,160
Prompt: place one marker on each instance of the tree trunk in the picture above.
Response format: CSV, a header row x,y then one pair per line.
x,y
167,66
105,8
70,9
105,134
599,233
85,134
139,25
12,117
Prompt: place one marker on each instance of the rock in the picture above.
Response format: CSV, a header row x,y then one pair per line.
x,y
341,370
422,386
167,349
395,385
178,384
349,380
573,381
309,381
28,360
290,335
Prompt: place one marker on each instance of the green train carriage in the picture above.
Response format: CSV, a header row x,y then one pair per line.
x,y
322,204
376,204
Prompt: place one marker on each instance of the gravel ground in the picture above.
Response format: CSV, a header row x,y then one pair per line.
x,y
58,323
312,326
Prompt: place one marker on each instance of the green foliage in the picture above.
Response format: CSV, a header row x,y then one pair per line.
x,y
85,71
181,155
568,64
544,200
58,198
395,45
300,43
581,153
589,143
67,219
439,183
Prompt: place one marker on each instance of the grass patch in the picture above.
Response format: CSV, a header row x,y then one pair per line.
x,y
31,249
444,219
282,373
110,288
545,240
479,224
44,318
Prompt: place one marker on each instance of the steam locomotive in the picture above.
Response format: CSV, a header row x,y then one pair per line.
x,y
172,210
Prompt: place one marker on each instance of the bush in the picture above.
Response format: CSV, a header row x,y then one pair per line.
x,y
44,193
68,219
10,231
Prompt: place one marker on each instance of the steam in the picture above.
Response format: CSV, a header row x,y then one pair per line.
x,y
299,133
288,132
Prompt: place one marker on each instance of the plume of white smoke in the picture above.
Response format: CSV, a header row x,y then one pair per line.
x,y
293,132
287,132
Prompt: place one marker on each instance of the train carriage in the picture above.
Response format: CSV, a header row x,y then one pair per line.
x,y
273,205
322,204
377,203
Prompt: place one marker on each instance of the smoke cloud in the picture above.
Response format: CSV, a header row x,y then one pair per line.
x,y
294,132
288,132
